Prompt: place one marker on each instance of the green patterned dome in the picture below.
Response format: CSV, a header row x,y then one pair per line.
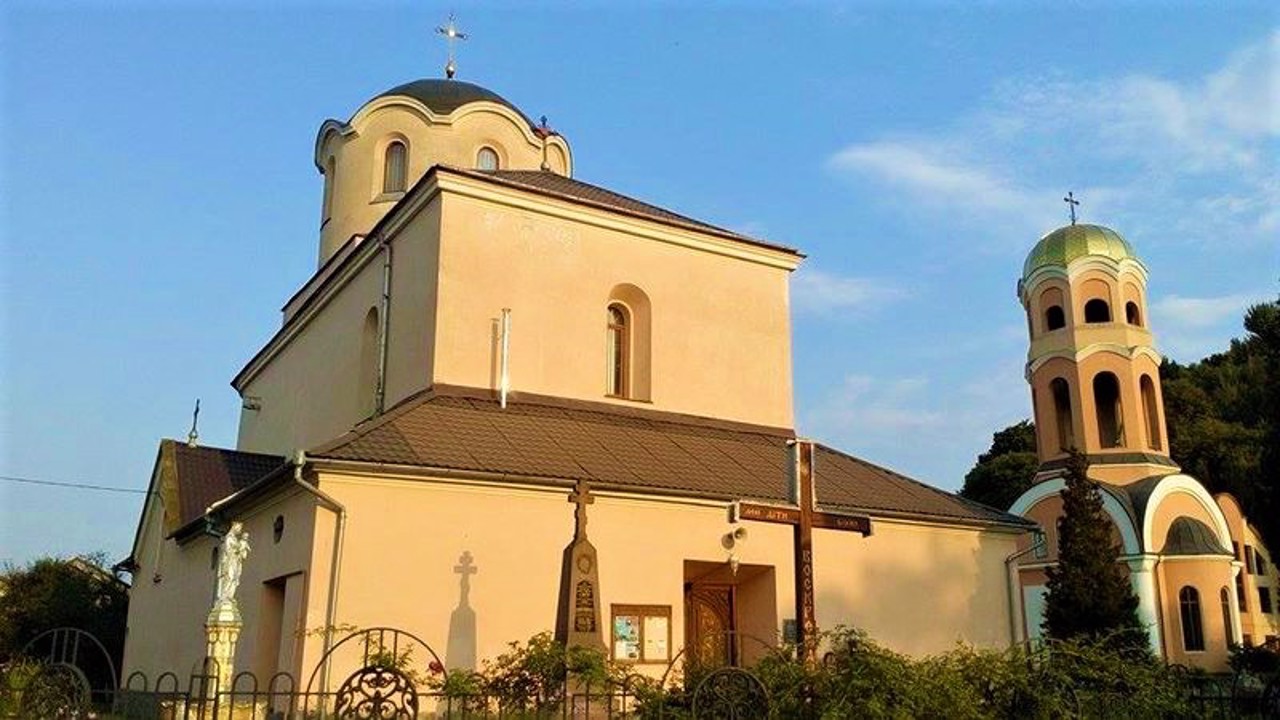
x,y
1066,244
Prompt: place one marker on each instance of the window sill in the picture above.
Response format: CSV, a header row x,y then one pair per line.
x,y
386,197
624,398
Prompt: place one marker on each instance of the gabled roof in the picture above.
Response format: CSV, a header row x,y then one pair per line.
x,y
621,448
555,185
204,475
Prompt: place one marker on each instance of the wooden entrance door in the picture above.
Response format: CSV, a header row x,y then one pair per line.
x,y
710,624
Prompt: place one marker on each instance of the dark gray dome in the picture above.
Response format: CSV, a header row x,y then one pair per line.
x,y
1188,536
445,96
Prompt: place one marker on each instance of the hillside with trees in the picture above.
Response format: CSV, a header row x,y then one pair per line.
x,y
1223,416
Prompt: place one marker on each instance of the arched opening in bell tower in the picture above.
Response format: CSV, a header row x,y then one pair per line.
x,y
1106,402
1152,411
1097,311
1062,413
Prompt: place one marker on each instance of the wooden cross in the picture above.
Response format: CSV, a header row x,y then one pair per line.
x,y
466,570
803,517
582,497
1071,202
451,33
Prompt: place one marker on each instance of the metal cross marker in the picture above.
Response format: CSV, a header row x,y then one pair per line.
x,y
582,497
194,435
804,516
1071,202
544,131
451,33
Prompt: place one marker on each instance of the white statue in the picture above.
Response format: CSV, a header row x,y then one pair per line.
x,y
235,548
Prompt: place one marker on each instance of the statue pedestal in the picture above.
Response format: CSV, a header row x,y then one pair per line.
x,y
222,630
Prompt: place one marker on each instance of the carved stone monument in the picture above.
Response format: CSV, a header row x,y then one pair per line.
x,y
578,617
222,627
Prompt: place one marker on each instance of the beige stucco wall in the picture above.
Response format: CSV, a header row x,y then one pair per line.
x,y
915,588
166,618
406,535
556,274
308,387
455,139
1208,576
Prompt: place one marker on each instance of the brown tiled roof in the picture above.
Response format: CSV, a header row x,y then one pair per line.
x,y
206,475
631,449
556,185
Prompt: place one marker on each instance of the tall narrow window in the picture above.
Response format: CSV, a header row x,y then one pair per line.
x,y
1062,413
487,159
327,209
1097,311
1192,625
1224,596
1152,411
618,347
1131,313
1241,598
395,167
1106,402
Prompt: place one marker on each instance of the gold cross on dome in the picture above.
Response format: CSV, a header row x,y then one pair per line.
x,y
1071,202
451,33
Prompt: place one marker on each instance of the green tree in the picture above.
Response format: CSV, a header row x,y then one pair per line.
x,y
1223,417
50,592
1089,596
1004,471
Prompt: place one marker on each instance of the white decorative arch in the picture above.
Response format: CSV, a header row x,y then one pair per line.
x,y
1112,506
1178,483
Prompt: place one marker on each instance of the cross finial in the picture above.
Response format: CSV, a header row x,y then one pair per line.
x,y
582,497
451,33
544,131
1071,202
195,420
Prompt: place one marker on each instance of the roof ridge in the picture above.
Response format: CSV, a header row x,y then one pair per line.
x,y
926,486
655,213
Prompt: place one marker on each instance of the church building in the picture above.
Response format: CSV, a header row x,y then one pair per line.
x,y
1196,565
509,401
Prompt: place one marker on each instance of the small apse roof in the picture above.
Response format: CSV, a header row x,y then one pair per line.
x,y
1188,536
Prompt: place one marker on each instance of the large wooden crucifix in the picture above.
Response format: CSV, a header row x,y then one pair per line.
x,y
803,516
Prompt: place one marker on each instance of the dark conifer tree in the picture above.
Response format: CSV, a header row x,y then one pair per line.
x,y
1089,595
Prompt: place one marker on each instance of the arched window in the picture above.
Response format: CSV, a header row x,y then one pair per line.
x,y
1151,410
1225,598
1062,413
619,350
1055,318
395,167
367,383
1097,311
1106,403
1132,315
487,159
327,209
1192,625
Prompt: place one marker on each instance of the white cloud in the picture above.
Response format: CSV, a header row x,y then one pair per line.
x,y
1161,146
816,292
1177,312
864,406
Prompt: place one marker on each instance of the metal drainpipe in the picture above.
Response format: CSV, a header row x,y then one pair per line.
x,y
380,396
339,533
1017,620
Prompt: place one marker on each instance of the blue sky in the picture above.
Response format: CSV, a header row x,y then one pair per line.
x,y
158,201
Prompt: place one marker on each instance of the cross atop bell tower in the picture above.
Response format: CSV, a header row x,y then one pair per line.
x,y
451,34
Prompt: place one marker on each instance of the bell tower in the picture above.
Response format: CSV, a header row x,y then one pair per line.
x,y
1091,363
